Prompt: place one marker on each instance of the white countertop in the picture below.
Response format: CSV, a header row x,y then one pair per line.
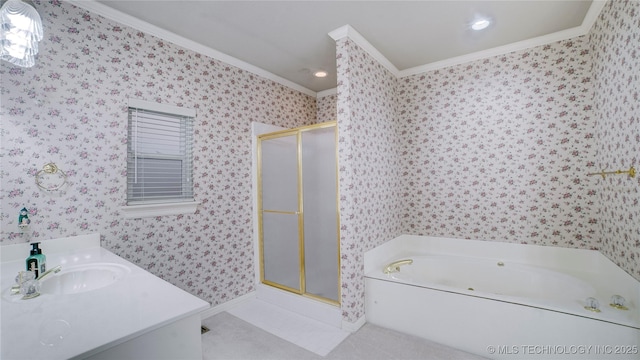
x,y
79,325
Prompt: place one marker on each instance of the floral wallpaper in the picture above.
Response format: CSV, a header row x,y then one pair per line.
x,y
71,109
500,148
368,158
327,108
615,45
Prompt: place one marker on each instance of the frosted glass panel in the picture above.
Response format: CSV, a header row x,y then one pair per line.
x,y
320,213
281,249
280,174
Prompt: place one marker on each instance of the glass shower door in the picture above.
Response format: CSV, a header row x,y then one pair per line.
x,y
280,212
320,209
298,211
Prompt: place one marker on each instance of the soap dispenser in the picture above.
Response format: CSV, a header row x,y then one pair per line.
x,y
36,262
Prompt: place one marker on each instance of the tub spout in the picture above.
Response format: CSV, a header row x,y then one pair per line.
x,y
395,266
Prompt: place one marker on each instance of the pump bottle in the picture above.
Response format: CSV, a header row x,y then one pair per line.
x,y
36,262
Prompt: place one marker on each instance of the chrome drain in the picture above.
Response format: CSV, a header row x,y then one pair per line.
x,y
203,329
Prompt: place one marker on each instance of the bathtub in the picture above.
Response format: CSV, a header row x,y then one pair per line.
x,y
504,301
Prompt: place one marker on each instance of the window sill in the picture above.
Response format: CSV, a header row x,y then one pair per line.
x,y
152,210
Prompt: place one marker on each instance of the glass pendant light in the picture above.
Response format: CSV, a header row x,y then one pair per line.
x,y
21,30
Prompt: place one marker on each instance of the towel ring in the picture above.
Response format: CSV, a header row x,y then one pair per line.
x,y
50,168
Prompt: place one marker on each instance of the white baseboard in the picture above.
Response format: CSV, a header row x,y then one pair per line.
x,y
227,305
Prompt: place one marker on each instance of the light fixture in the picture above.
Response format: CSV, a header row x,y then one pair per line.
x,y
480,24
21,30
320,74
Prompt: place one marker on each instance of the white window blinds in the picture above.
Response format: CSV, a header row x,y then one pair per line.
x,y
160,155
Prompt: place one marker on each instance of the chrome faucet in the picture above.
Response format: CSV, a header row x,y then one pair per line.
x,y
395,266
30,288
54,270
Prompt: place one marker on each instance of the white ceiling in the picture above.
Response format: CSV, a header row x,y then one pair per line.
x,y
290,38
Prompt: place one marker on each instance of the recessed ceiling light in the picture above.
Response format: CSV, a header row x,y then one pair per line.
x,y
480,24
320,74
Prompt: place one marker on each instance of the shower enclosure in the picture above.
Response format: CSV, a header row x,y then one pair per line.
x,y
298,213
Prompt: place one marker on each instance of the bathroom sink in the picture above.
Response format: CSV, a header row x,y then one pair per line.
x,y
83,278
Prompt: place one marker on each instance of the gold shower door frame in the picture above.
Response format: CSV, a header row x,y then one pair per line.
x,y
297,132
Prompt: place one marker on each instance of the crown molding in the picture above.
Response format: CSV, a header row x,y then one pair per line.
x,y
128,20
351,33
592,15
496,51
327,92
587,23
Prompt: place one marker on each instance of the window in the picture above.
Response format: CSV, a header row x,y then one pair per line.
x,y
159,159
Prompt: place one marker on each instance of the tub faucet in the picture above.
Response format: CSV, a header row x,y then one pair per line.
x,y
395,266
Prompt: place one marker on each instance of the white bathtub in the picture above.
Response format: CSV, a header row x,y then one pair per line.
x,y
504,301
